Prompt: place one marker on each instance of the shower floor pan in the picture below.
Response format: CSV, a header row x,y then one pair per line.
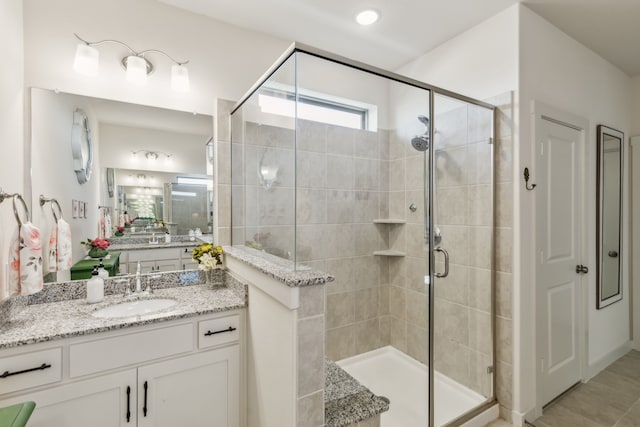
x,y
389,372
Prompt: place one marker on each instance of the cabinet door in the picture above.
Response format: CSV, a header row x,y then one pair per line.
x,y
200,390
168,265
99,402
146,267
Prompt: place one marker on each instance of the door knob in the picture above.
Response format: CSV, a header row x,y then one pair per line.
x,y
582,269
613,254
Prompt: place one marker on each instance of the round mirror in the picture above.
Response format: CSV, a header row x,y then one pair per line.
x,y
81,146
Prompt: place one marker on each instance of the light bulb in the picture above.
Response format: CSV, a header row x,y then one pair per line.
x,y
367,17
179,78
136,70
86,60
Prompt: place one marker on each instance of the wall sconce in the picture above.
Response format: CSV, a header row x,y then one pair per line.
x,y
151,156
136,65
267,174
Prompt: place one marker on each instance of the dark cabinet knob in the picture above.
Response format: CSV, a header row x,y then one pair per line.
x,y
582,269
613,254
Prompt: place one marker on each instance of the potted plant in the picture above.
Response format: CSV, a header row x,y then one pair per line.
x,y
97,247
208,257
119,231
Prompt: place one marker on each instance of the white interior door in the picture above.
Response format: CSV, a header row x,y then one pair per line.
x,y
559,208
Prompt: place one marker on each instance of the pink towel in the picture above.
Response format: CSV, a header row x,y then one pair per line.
x,y
59,255
65,258
25,261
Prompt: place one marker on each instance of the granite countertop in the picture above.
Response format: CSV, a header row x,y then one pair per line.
x,y
41,321
346,401
278,268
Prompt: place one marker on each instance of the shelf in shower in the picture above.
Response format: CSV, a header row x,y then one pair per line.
x,y
389,221
389,253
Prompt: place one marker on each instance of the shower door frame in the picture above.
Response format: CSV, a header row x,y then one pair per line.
x,y
297,47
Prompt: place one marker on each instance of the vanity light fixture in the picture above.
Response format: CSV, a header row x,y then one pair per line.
x,y
137,66
367,17
151,156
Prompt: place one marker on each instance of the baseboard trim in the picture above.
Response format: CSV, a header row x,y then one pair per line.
x,y
519,418
599,365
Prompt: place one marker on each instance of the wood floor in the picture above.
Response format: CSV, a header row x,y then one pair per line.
x,y
611,398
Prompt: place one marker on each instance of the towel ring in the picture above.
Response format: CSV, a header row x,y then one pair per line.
x,y
44,200
24,207
55,203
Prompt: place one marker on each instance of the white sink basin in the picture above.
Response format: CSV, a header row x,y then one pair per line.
x,y
134,308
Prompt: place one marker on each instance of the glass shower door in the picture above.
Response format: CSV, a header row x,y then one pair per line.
x,y
462,224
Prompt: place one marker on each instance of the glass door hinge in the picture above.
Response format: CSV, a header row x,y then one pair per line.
x,y
489,369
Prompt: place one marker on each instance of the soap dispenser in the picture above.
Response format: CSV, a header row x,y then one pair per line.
x,y
95,287
102,272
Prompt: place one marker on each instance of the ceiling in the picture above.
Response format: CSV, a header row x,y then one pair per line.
x,y
409,28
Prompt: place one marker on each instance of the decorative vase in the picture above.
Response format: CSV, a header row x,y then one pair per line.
x,y
96,252
118,233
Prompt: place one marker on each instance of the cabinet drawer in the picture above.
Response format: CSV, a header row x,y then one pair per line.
x,y
48,362
154,254
218,331
110,353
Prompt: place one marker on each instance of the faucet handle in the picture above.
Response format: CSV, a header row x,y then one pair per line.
x,y
127,286
150,278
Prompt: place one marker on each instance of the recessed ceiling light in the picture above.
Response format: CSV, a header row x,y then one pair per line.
x,y
367,17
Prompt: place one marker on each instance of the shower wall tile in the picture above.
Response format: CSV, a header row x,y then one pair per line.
x,y
223,119
399,334
418,342
414,172
365,272
454,288
312,136
339,239
397,174
224,162
366,174
416,272
384,145
453,166
504,204
366,303
479,124
479,376
339,172
312,170
342,270
341,140
311,205
340,310
340,342
452,358
311,410
450,127
367,335
339,206
479,207
479,325
504,339
504,160
397,204
366,145
454,205
383,300
504,249
417,308
310,355
398,303
365,239
504,294
452,320
366,206
414,197
479,289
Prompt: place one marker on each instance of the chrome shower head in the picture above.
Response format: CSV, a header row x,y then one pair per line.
x,y
424,120
420,142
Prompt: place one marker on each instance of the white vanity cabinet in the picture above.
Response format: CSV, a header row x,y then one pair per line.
x,y
157,259
153,376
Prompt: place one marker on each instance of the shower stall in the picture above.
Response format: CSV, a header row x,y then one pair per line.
x,y
386,183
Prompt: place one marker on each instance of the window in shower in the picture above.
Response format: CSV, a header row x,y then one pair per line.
x,y
318,108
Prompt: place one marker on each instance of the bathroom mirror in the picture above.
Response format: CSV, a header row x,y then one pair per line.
x,y
138,155
609,216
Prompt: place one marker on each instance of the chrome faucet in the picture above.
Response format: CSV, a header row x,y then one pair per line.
x,y
138,284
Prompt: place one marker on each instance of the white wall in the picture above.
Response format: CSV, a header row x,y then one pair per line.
x,y
11,123
224,60
635,110
635,239
557,70
52,165
481,62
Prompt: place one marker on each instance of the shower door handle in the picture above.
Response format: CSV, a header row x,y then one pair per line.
x,y
446,263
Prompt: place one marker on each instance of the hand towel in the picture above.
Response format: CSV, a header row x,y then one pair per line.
x,y
65,258
25,261
107,223
52,250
